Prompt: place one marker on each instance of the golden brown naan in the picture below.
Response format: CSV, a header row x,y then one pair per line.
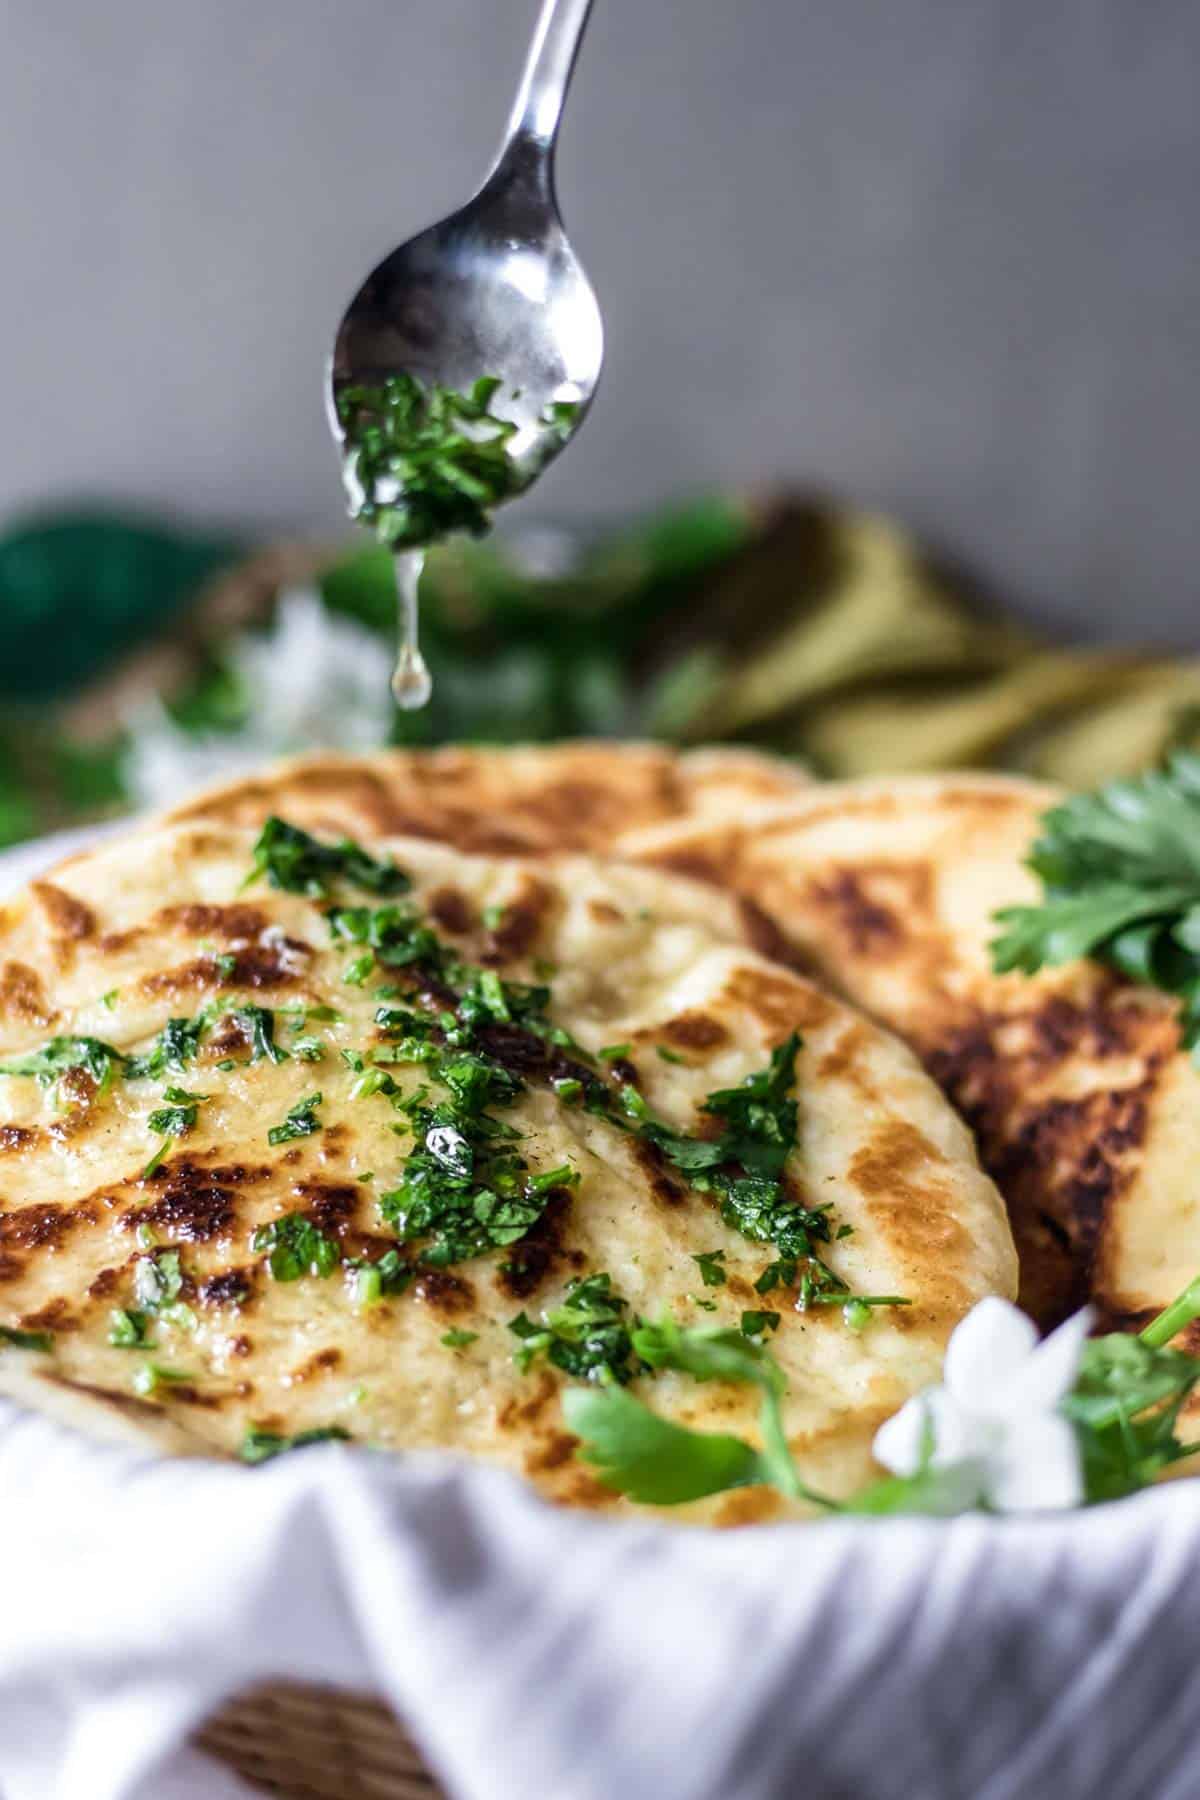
x,y
1085,1111
518,800
117,942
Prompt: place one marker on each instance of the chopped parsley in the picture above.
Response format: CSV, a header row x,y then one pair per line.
x,y
158,1280
560,418
296,1247
711,1264
465,1188
178,1043
454,1339
151,1376
157,1284
179,1115
398,938
258,1025
382,1279
26,1340
172,1121
357,972
301,1121
760,1115
422,462
743,1167
587,1335
172,1050
393,936
857,1310
374,1081
756,1324
260,1446
129,1329
300,864
52,1061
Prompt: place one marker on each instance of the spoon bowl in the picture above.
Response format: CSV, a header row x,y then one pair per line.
x,y
495,289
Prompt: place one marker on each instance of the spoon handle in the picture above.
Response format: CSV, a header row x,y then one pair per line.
x,y
539,102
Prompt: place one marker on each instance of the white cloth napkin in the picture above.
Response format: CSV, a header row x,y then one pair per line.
x,y
541,1655
537,1653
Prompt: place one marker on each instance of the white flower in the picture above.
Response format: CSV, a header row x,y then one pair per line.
x,y
317,680
164,762
996,1416
314,681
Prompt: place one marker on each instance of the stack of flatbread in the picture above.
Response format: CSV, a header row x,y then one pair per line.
x,y
689,914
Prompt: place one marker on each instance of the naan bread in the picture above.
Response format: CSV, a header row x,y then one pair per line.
x,y
117,942
519,800
885,889
1085,1110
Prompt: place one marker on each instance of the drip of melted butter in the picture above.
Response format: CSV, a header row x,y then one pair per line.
x,y
412,683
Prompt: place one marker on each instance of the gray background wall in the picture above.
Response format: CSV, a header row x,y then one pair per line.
x,y
941,255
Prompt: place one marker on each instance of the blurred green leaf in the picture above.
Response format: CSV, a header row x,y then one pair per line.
x,y
79,590
89,778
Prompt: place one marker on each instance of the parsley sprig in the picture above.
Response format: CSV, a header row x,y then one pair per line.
x,y
1125,1407
1121,873
657,1462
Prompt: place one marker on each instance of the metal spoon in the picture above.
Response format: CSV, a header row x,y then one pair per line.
x,y
495,289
